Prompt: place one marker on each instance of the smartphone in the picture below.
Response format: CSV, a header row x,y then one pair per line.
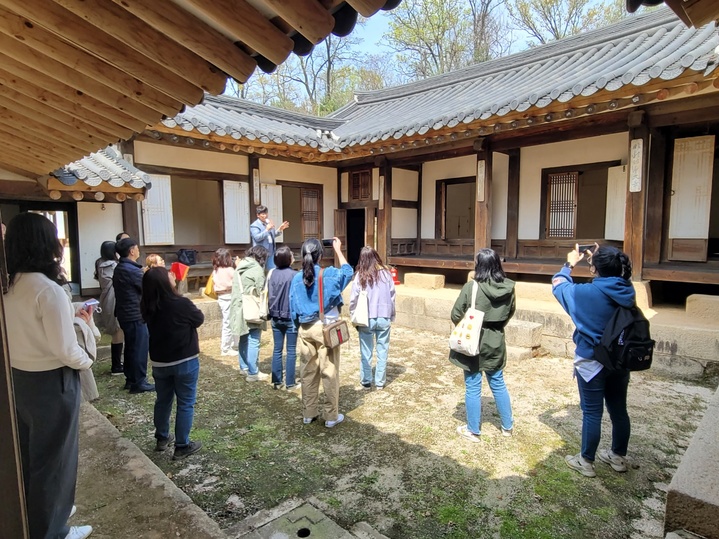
x,y
328,242
90,303
585,248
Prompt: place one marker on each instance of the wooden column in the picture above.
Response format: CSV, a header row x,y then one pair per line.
x,y
254,164
483,203
511,243
13,518
384,213
655,197
635,216
130,219
418,249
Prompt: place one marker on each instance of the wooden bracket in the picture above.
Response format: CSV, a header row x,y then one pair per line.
x,y
636,118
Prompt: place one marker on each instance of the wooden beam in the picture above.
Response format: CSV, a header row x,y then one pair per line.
x,y
655,197
63,74
46,43
513,204
54,184
202,39
8,80
635,213
113,20
367,8
28,74
308,17
41,143
24,105
51,155
667,272
33,163
483,208
240,19
19,122
86,36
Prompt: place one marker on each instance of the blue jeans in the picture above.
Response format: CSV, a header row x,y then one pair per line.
x,y
250,350
281,329
612,390
137,347
379,328
180,380
473,398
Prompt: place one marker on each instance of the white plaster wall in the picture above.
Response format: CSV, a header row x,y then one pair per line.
x,y
345,187
97,222
404,223
189,158
572,152
375,183
404,184
457,167
272,170
500,186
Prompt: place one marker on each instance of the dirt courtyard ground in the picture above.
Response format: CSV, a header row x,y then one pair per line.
x,y
397,462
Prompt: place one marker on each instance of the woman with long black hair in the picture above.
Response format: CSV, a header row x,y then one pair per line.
x,y
46,360
172,322
494,297
319,361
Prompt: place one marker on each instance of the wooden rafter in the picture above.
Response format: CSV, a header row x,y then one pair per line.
x,y
367,8
308,17
83,62
238,17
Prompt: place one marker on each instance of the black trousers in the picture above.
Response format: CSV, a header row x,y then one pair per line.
x,y
48,414
137,347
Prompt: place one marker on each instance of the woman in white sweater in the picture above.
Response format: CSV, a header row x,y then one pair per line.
x,y
45,360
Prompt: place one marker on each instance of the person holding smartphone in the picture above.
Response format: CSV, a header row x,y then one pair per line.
x,y
263,233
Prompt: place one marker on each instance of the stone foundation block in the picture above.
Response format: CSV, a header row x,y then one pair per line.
x,y
427,281
515,353
523,334
534,291
409,304
703,306
693,495
644,294
438,308
557,346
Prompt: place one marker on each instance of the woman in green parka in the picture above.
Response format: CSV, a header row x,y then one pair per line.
x,y
251,270
495,297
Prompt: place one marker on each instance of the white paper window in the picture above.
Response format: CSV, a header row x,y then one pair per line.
x,y
157,223
271,196
691,187
616,203
236,203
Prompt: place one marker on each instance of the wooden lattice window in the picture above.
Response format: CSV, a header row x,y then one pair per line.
x,y
361,185
310,200
562,204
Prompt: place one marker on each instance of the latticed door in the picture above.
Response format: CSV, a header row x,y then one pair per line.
x,y
562,204
310,199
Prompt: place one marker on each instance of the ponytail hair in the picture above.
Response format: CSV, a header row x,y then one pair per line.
x,y
611,262
311,255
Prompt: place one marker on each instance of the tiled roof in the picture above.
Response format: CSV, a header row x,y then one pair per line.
x,y
103,166
638,50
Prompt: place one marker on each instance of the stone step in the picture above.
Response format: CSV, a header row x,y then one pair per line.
x,y
362,530
516,353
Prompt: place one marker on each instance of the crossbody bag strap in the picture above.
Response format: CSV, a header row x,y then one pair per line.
x,y
475,287
267,280
319,294
239,279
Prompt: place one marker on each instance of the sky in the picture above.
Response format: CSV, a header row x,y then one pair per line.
x,y
371,33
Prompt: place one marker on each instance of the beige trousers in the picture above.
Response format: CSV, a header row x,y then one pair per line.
x,y
318,361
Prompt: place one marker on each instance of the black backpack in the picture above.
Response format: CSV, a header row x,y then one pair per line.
x,y
626,343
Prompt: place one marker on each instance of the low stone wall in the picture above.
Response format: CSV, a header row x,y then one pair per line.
x,y
693,495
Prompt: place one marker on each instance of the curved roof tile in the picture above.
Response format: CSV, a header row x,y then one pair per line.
x,y
103,166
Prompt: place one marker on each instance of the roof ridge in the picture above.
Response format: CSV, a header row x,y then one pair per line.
x,y
629,26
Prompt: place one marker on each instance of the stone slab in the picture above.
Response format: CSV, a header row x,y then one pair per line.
x,y
703,306
693,495
289,520
515,354
428,281
523,334
362,530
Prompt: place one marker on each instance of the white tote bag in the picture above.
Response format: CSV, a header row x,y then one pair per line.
x,y
465,335
360,316
250,306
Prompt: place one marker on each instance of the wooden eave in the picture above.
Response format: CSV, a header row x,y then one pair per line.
x,y
599,106
695,13
87,73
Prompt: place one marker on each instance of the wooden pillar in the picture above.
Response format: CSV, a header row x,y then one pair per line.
x,y
512,241
254,165
635,216
13,518
384,213
483,203
131,219
655,197
418,249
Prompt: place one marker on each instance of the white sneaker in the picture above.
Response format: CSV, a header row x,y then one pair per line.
x,y
79,532
295,387
464,432
229,353
507,432
73,511
617,462
260,376
578,463
330,424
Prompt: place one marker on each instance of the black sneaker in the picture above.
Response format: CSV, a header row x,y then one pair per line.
x,y
128,385
142,388
186,451
163,443
117,371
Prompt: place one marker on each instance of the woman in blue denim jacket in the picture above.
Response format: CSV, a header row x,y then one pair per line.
x,y
375,280
318,361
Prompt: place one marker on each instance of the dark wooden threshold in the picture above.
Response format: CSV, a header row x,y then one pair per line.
x,y
706,273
